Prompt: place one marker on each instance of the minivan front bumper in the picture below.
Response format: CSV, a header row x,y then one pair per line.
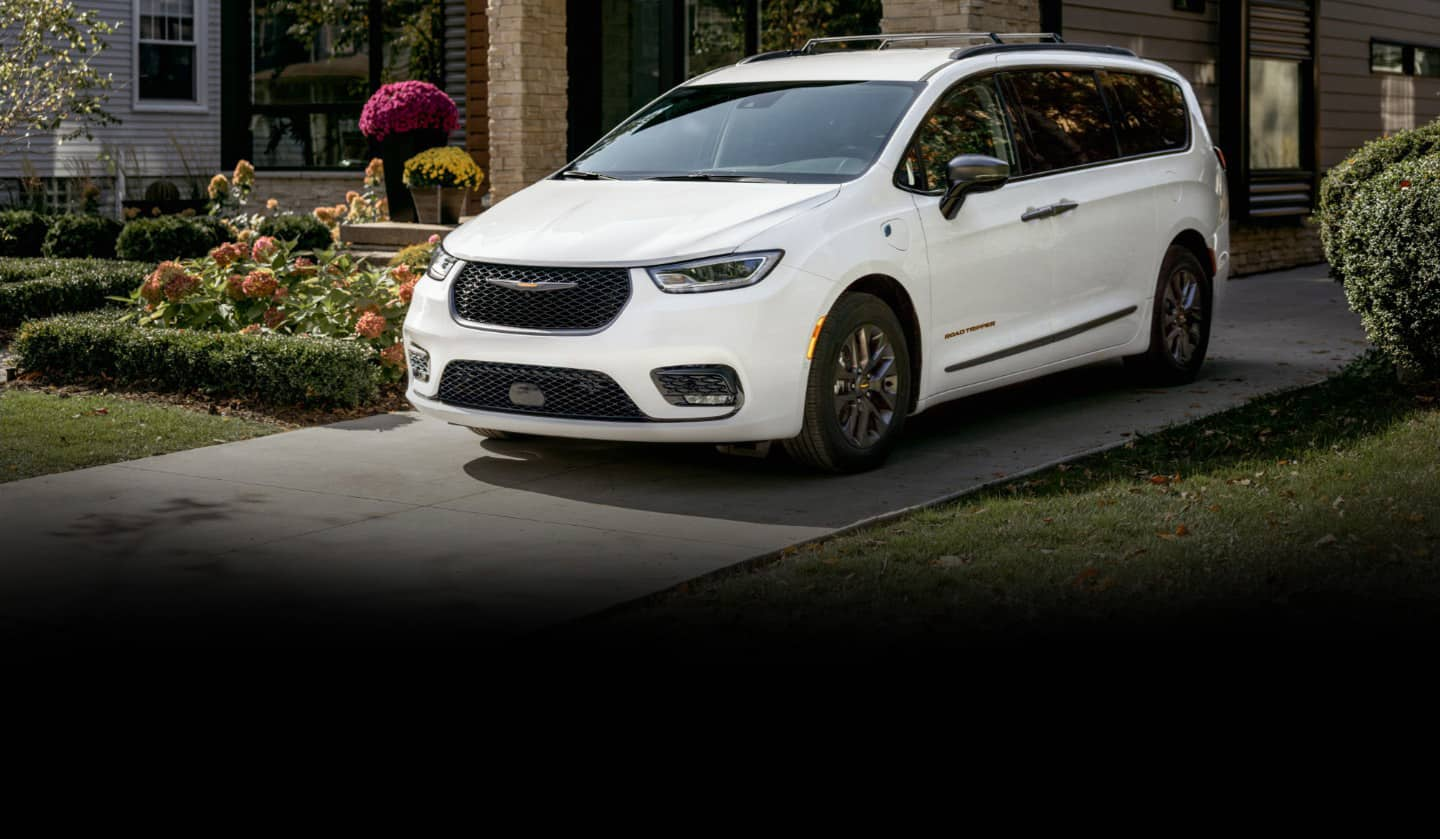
x,y
761,332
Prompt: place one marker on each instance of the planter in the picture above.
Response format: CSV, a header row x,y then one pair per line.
x,y
395,150
441,205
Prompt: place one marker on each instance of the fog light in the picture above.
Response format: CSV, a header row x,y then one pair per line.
x,y
700,386
419,364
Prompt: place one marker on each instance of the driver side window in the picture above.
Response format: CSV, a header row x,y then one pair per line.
x,y
967,120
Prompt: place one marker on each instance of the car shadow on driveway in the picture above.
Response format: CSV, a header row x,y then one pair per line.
x,y
955,446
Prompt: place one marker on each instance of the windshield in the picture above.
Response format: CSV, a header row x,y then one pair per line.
x,y
795,132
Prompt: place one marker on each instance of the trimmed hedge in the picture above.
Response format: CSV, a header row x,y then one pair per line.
x,y
22,233
277,369
33,288
307,232
1388,249
76,235
155,240
1337,189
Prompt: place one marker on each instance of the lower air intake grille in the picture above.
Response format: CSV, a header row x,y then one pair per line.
x,y
539,391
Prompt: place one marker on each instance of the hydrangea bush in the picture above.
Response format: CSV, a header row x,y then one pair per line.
x,y
399,107
261,287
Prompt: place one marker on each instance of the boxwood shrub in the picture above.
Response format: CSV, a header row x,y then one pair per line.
x,y
307,232
155,240
1388,252
1337,189
76,235
270,368
33,288
22,233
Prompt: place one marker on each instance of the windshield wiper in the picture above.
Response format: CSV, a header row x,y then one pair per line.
x,y
582,175
716,176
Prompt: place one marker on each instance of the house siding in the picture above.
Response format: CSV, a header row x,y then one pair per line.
x,y
150,136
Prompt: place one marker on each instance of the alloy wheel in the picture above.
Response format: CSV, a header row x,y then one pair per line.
x,y
1183,311
867,386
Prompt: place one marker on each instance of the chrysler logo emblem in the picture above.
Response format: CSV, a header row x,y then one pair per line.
x,y
521,285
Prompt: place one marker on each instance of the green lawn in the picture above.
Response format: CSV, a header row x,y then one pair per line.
x,y
42,433
1292,513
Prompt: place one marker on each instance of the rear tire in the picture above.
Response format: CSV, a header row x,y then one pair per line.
x,y
492,434
1179,322
857,395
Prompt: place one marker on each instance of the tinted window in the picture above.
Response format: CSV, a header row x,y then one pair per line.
x,y
1060,119
1150,113
802,132
967,120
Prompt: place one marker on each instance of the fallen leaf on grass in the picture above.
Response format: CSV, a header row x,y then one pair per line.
x,y
1214,508
1182,530
951,561
1327,539
101,411
1135,553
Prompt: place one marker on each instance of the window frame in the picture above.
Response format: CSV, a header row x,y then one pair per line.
x,y
1001,90
200,104
1409,65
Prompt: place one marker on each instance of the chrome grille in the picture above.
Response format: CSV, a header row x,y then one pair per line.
x,y
569,393
592,303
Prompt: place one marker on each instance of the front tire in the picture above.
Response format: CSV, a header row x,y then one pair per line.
x,y
857,395
1179,322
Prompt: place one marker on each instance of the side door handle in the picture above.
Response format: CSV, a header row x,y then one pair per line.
x,y
1064,205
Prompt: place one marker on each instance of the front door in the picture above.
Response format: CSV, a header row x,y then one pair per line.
x,y
991,273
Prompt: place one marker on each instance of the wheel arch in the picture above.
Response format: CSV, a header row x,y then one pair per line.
x,y
891,291
1195,242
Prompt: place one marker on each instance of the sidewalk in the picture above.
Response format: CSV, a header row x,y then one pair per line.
x,y
402,526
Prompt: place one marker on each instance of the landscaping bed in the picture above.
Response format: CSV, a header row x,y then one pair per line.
x,y
39,287
1316,511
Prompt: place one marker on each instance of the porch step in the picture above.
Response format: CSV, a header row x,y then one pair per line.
x,y
390,235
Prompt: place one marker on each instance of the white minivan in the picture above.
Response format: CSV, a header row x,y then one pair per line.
x,y
809,246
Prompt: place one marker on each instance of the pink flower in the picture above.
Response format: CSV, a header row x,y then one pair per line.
x,y
260,284
264,248
170,281
393,355
434,239
228,253
370,325
407,106
274,317
235,286
407,292
251,329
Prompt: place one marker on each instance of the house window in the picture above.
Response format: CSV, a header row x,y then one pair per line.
x,y
311,66
1400,59
167,50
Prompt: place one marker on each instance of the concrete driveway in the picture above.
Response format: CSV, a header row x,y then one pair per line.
x,y
400,524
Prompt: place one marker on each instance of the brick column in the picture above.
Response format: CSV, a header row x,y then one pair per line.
x,y
961,16
527,82
477,84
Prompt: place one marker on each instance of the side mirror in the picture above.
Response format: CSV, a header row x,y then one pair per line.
x,y
972,173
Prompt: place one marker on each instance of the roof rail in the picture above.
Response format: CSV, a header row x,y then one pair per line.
x,y
993,41
988,49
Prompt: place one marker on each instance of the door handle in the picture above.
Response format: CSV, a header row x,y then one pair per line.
x,y
1064,205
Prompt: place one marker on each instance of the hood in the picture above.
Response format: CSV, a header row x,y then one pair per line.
x,y
629,222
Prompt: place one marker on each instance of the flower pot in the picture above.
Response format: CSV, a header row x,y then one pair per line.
x,y
395,150
441,205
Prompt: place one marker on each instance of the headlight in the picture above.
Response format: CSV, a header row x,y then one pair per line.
x,y
715,273
440,264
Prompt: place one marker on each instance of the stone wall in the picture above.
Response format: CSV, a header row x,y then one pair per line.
x,y
961,16
1255,247
527,87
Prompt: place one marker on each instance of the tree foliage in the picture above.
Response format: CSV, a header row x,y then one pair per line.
x,y
47,76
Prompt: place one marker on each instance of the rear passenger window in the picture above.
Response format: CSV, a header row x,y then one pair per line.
x,y
1060,119
1150,113
966,120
